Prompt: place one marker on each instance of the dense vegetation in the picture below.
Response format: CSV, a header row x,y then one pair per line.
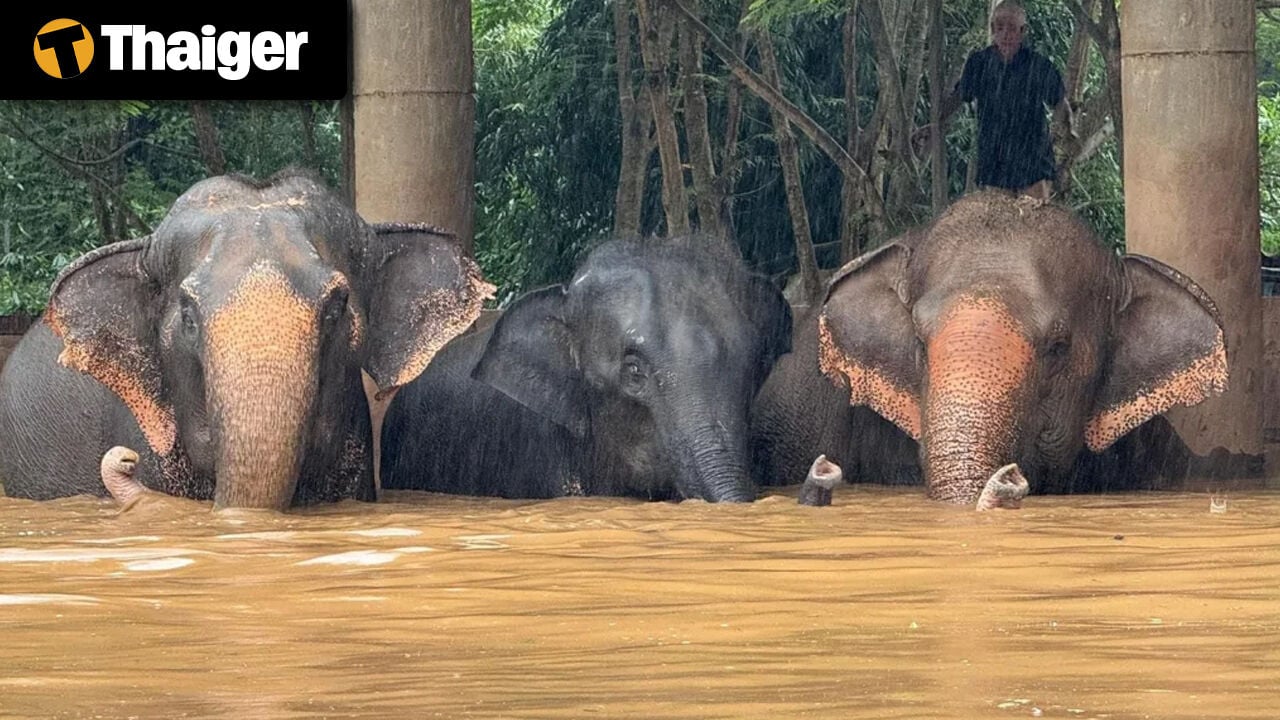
x,y
550,118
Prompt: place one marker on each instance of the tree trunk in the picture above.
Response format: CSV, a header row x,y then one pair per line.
x,y
850,199
207,138
307,116
937,151
635,120
696,132
102,212
789,159
771,96
1078,56
914,54
729,165
656,29
889,80
1093,127
1111,53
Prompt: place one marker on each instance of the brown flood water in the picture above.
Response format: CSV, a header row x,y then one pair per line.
x,y
879,606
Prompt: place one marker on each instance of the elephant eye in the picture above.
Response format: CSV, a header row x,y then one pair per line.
x,y
1059,347
188,314
336,307
633,373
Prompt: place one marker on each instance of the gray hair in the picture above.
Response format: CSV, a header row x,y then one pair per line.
x,y
1010,6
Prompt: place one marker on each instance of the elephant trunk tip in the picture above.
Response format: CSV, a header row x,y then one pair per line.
x,y
118,467
1005,489
823,476
739,493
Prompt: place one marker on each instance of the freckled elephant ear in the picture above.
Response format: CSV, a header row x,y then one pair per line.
x,y
104,307
866,338
420,291
1169,350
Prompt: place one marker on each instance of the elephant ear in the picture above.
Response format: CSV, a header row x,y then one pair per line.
x,y
420,291
1169,349
770,314
103,306
867,340
530,357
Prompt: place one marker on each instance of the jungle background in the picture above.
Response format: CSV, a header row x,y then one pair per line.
x,y
782,126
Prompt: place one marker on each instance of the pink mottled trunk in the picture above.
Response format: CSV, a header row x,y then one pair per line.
x,y
979,361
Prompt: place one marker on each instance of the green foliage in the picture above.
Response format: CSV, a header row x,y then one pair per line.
x,y
546,137
66,167
547,141
1269,165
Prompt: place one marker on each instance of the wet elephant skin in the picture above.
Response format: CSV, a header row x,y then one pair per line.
x,y
229,348
1003,331
634,378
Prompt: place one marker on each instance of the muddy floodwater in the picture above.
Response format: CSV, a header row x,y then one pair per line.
x,y
878,606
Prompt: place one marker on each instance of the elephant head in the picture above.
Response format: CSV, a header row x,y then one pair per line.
x,y
237,334
1005,332
651,355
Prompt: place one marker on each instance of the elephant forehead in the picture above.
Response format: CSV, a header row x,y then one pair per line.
x,y
265,311
220,275
695,338
985,325
236,237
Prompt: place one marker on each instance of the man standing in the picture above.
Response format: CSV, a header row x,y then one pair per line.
x,y
1012,85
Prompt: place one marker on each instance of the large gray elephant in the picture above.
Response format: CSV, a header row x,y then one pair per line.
x,y
1003,331
232,348
634,378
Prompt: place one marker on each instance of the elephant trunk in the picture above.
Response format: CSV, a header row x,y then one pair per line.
x,y
978,361
118,467
713,458
262,382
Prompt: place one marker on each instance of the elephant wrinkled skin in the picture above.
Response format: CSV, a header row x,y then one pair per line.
x,y
1002,332
228,348
634,378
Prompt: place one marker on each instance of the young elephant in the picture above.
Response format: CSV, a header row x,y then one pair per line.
x,y
231,347
634,378
1002,332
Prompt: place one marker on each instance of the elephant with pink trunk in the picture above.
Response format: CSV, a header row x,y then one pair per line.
x,y
1002,332
237,348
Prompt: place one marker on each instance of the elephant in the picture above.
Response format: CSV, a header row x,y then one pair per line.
x,y
1003,331
233,347
632,379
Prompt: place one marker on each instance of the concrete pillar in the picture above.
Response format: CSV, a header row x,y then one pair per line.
x,y
414,112
1191,189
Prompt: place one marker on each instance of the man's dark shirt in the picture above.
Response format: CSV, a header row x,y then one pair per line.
x,y
1014,149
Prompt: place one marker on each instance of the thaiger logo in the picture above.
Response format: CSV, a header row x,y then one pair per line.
x,y
63,48
232,54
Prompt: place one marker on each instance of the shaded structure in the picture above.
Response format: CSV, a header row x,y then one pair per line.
x,y
414,113
1191,190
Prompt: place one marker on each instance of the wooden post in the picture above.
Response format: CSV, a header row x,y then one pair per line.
x,y
1191,191
414,113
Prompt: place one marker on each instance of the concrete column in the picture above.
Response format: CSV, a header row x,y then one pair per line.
x,y
414,114
1191,189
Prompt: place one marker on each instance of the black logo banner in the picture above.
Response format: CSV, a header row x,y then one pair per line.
x,y
230,50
